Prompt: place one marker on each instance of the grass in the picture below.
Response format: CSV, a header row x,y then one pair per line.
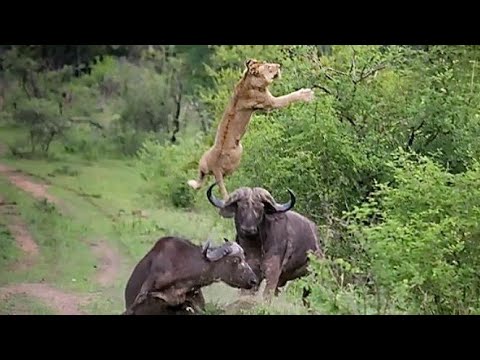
x,y
10,251
20,304
58,238
103,199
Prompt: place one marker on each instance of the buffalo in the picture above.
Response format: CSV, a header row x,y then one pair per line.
x,y
169,278
275,238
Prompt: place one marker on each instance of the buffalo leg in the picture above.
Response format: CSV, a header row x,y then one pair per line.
x,y
272,274
197,301
139,300
142,295
281,283
306,292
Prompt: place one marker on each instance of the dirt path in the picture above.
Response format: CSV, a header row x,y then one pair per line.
x,y
38,191
110,262
19,231
23,182
64,303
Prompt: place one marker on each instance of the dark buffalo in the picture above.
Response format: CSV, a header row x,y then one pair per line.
x,y
169,278
276,239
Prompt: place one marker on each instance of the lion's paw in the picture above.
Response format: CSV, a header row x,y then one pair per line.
x,y
193,184
306,94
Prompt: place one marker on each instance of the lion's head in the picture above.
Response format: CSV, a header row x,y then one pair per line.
x,y
261,73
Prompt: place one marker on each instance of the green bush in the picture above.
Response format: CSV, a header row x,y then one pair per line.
x,y
370,100
43,120
165,168
147,100
411,248
428,214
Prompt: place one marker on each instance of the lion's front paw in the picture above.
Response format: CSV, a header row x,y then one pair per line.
x,y
305,94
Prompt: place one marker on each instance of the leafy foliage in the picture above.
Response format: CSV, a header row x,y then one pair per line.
x,y
385,159
370,101
413,244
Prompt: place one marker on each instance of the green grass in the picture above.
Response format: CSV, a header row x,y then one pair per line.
x,y
10,135
24,305
101,199
114,188
63,254
9,250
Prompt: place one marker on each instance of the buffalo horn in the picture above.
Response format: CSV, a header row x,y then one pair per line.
x,y
288,205
206,246
236,249
213,200
218,253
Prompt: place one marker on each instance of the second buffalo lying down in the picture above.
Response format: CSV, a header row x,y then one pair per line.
x,y
169,278
276,239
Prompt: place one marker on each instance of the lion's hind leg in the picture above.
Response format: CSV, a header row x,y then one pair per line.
x,y
197,184
203,172
219,178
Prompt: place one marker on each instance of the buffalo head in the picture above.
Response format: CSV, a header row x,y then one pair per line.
x,y
229,265
248,206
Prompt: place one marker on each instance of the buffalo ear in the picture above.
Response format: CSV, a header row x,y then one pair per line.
x,y
228,211
269,208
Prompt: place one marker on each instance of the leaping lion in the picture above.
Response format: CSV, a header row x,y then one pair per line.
x,y
251,93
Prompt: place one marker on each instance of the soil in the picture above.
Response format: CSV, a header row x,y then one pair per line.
x,y
109,265
64,303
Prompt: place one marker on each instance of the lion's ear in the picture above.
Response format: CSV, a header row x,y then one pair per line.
x,y
250,62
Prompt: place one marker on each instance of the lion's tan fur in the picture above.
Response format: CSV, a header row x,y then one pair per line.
x,y
251,93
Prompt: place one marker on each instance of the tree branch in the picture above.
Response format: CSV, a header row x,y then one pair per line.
x,y
88,121
336,71
431,138
349,119
329,77
324,88
412,134
369,73
353,69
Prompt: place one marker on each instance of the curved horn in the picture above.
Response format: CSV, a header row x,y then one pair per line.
x,y
214,200
218,253
273,206
288,205
205,247
236,249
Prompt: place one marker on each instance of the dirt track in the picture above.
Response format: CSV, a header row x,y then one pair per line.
x,y
18,228
110,263
62,302
38,191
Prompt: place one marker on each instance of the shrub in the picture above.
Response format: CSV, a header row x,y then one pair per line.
x,y
412,247
42,119
165,166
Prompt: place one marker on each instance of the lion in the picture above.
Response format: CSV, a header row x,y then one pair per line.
x,y
251,93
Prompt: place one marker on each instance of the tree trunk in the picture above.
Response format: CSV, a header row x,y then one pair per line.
x,y
176,118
